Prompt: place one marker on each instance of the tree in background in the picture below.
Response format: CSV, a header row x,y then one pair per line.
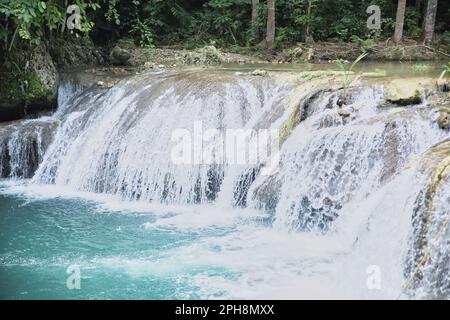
x,y
429,21
270,36
308,36
399,21
254,25
224,23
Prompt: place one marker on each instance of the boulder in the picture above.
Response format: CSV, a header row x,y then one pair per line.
x,y
444,119
260,73
405,92
344,112
119,56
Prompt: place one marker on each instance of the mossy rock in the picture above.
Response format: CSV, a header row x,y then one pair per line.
x,y
29,84
404,92
21,94
208,55
444,119
119,56
75,53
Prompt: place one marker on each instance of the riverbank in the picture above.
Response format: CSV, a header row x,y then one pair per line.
x,y
315,53
31,77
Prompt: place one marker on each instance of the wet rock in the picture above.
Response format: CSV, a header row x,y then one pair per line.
x,y
149,65
104,84
301,101
443,85
313,216
243,185
267,195
405,92
429,269
344,112
340,102
260,73
444,119
22,146
119,56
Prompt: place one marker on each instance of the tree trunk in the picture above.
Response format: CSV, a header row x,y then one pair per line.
x,y
429,21
270,37
255,4
418,4
399,20
308,37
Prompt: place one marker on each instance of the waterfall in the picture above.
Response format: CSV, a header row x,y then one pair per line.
x,y
22,146
120,141
356,179
428,261
324,167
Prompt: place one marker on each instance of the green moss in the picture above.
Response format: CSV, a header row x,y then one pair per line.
x,y
23,87
291,123
206,55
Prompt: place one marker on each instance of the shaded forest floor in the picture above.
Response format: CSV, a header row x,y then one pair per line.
x,y
318,52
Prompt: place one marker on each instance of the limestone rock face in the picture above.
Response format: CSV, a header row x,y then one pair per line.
x,y
42,64
76,53
32,88
429,256
405,92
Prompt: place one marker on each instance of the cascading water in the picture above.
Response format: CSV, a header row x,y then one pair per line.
x,y
350,192
22,146
324,167
120,141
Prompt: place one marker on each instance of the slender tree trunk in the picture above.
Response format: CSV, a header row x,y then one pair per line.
x,y
399,20
429,21
270,37
308,24
255,4
418,4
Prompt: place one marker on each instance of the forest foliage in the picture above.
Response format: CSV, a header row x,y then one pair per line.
x,y
223,23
